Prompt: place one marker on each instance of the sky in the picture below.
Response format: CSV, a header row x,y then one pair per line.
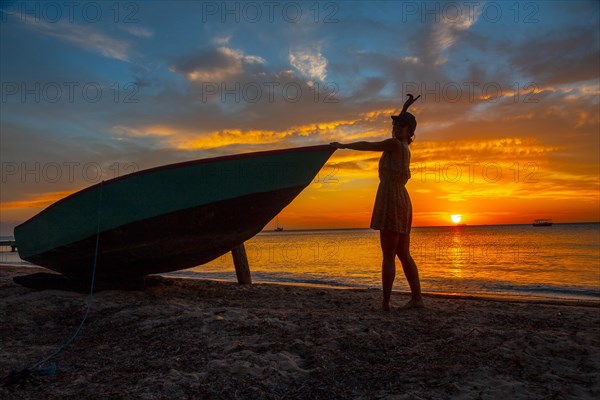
x,y
508,119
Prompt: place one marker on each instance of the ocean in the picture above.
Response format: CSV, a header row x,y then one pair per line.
x,y
558,262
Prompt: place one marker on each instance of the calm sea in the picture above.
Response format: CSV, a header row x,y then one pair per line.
x,y
561,261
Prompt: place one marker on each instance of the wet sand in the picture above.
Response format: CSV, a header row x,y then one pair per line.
x,y
184,338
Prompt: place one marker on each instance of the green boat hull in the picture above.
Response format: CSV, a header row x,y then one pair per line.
x,y
167,218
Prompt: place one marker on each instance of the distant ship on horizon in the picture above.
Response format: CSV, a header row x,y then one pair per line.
x,y
278,228
542,222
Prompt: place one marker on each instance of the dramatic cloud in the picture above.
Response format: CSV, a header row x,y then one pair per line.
x,y
217,64
310,63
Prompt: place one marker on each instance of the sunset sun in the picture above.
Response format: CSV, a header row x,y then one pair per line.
x,y
456,218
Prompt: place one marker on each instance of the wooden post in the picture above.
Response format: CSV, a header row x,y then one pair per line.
x,y
242,269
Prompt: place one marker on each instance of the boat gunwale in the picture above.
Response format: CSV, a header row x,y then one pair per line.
x,y
185,164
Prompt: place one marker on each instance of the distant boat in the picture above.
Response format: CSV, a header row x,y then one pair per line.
x,y
168,218
277,227
542,222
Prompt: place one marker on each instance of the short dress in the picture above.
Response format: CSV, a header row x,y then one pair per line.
x,y
393,209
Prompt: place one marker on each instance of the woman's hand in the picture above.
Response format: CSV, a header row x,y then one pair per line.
x,y
337,145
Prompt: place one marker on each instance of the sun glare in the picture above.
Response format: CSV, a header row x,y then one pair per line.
x,y
456,218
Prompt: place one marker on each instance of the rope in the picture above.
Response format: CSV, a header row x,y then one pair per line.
x,y
16,376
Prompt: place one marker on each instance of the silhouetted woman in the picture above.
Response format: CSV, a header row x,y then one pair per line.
x,y
392,213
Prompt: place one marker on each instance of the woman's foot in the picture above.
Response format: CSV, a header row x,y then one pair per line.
x,y
386,306
414,303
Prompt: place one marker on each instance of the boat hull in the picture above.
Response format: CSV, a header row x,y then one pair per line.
x,y
168,218
186,238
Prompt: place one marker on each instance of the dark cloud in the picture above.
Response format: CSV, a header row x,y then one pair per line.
x,y
558,57
209,60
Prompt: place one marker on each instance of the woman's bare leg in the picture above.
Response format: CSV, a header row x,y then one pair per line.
x,y
410,271
389,243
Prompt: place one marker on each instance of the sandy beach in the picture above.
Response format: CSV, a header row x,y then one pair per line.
x,y
183,338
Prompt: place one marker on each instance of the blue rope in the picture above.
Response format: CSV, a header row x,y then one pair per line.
x,y
51,369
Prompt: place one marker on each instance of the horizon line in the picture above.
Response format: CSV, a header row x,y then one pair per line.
x,y
422,226
425,226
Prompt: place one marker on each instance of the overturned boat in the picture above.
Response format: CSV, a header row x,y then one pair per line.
x,y
167,218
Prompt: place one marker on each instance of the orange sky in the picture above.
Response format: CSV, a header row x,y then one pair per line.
x,y
527,189
496,179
